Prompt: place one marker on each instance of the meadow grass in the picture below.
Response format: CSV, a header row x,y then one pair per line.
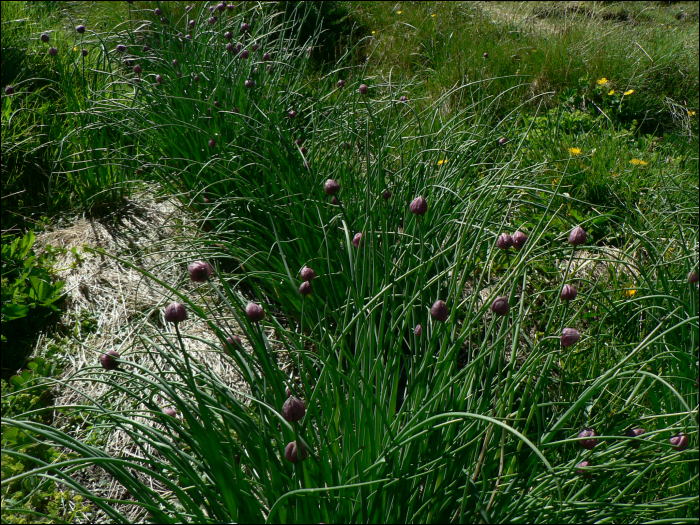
x,y
476,418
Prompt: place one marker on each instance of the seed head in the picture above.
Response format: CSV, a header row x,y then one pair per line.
x,y
80,29
254,312
137,69
249,83
577,236
44,38
53,51
581,472
307,274
121,48
108,360
439,311
590,441
9,90
267,57
418,206
341,83
386,195
170,412
244,27
363,89
175,313
331,187
244,54
519,240
418,330
293,409
693,278
500,306
357,240
634,433
335,201
679,442
305,288
568,293
504,241
200,271
159,79
569,337
295,452
234,342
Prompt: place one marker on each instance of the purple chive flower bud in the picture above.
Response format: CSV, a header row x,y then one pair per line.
x,y
504,241
158,12
305,288
569,337
519,240
269,67
230,47
357,240
341,83
267,57
9,90
500,306
121,48
307,274
292,115
288,391
80,29
137,69
234,342
386,195
196,78
418,206
295,452
418,330
244,54
191,24
693,278
145,49
577,236
188,8
486,55
212,20
84,52
44,38
679,442
254,312
249,83
244,27
335,202
175,313
255,47
299,141
293,409
221,7
53,51
439,311
231,7
634,433
108,360
581,472
590,441
309,50
159,79
211,8
175,63
331,187
502,141
199,271
212,143
363,89
568,293
304,151
170,412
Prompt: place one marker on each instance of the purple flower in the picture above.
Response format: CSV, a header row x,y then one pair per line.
x,y
679,442
331,187
307,274
590,441
267,57
231,7
486,55
230,47
212,20
137,69
386,195
581,472
9,90
504,241
212,143
502,141
634,433
84,52
569,337
439,311
196,78
175,313
295,452
292,115
357,240
44,38
418,206
577,236
336,202
200,271
158,11
249,83
234,342
244,54
403,98
363,89
519,240
221,7
80,29
693,278
254,312
500,306
299,141
305,288
244,27
188,8
108,360
191,23
568,293
303,150
255,47
341,83
418,330
170,412
293,409
121,48
53,51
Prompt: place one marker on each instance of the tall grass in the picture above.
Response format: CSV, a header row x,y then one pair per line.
x,y
475,419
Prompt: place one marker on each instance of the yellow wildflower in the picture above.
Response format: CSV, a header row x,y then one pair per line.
x,y
555,182
630,293
611,92
629,92
432,15
75,49
574,151
441,162
602,81
373,32
691,113
639,162
399,12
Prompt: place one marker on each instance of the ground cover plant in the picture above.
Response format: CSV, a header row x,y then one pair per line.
x,y
447,300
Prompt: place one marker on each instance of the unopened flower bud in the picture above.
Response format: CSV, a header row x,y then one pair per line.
x,y
175,313
569,337
577,236
295,452
568,293
307,274
199,271
500,306
254,312
439,311
293,409
108,360
519,240
418,206
504,241
331,187
590,441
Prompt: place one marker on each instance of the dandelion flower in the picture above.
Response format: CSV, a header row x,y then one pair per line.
x,y
602,81
574,151
631,293
639,162
611,92
441,162
628,92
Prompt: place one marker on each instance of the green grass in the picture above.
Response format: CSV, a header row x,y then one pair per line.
x,y
476,419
